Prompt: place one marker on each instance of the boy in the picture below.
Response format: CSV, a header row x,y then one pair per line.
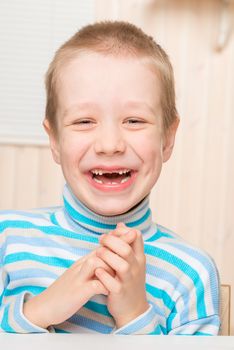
x,y
99,263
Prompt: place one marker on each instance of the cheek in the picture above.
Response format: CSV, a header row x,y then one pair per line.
x,y
148,147
72,148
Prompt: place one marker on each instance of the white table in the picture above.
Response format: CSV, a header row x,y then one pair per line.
x,y
111,342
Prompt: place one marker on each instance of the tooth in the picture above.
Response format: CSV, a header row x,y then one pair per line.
x,y
101,172
124,180
98,181
114,183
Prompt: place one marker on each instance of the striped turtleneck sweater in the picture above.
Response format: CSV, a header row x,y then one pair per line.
x,y
37,246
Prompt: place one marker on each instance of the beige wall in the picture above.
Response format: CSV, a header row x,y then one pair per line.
x,y
195,194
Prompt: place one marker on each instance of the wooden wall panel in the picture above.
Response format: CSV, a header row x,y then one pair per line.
x,y
195,193
51,181
7,176
29,178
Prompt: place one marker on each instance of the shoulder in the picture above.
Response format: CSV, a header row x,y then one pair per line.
x,y
26,218
190,268
185,257
15,226
25,231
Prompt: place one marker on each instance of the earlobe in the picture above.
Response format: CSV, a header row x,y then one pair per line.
x,y
169,140
53,140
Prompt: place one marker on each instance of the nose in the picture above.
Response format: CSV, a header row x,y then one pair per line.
x,y
109,141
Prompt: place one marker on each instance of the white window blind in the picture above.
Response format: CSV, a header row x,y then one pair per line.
x,y
30,33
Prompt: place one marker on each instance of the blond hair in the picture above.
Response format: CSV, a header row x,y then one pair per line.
x,y
113,38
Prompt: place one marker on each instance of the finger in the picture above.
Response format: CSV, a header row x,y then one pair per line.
x,y
80,261
120,229
128,237
110,283
118,264
95,286
118,246
88,267
138,245
133,237
121,226
125,232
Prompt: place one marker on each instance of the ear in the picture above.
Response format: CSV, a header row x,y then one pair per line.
x,y
54,144
169,139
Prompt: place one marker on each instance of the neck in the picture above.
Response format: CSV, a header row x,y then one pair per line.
x,y
82,218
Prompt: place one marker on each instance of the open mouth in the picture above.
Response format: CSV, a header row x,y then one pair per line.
x,y
115,177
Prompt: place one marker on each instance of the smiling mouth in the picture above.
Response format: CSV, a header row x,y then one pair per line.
x,y
111,177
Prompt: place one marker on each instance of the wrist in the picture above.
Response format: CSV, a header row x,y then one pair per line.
x,y
33,311
128,317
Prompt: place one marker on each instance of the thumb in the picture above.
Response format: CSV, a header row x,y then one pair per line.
x,y
97,287
121,225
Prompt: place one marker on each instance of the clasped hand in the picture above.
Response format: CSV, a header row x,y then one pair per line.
x,y
115,269
123,251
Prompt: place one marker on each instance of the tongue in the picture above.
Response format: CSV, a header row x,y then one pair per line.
x,y
108,178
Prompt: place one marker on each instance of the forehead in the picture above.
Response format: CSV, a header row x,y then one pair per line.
x,y
93,79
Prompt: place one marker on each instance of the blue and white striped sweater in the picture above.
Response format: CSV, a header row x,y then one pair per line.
x,y
36,247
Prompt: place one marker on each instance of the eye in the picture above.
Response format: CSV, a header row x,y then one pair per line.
x,y
84,123
135,121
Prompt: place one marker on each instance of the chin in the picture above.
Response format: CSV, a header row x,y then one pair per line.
x,y
113,206
109,212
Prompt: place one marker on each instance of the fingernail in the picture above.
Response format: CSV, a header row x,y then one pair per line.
x,y
102,236
131,232
121,224
99,250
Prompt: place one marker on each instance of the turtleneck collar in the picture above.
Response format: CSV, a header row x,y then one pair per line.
x,y
82,218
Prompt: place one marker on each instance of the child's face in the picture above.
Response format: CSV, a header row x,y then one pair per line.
x,y
109,120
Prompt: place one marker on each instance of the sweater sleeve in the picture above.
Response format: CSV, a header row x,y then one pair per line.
x,y
204,326
12,318
195,310
147,323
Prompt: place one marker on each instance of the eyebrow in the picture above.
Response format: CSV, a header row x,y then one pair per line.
x,y
91,105
80,107
139,104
